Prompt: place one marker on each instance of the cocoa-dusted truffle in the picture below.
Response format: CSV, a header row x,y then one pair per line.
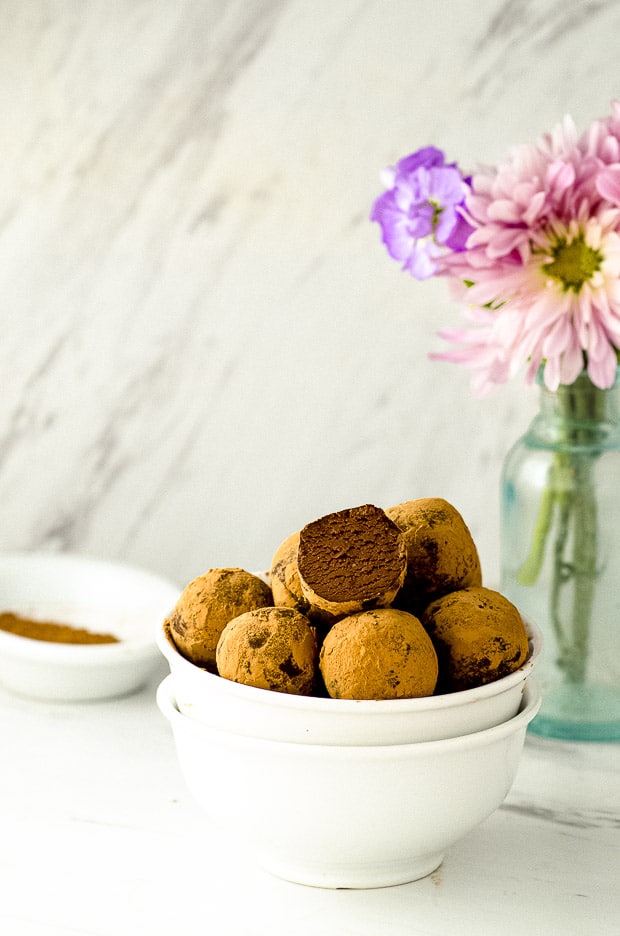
x,y
207,604
479,637
284,576
286,586
351,560
378,654
270,648
441,554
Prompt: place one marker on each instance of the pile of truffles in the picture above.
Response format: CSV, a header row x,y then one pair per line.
x,y
363,603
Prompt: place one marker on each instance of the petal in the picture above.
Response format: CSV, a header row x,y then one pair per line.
x,y
558,337
384,203
425,158
572,362
608,184
560,175
388,177
597,343
394,231
446,186
504,210
532,370
524,192
421,264
535,207
602,371
505,241
552,373
477,205
459,235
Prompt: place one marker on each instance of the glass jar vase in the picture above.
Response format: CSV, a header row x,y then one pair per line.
x,y
560,555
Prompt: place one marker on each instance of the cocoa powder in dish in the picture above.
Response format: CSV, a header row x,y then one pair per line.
x,y
50,631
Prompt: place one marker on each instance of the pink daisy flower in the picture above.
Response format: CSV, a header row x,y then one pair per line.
x,y
532,246
542,266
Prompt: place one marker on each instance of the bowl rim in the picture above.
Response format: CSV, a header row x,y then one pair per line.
x,y
320,704
530,704
18,646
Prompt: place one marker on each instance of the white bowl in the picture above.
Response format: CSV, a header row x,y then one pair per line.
x,y
99,596
348,816
230,706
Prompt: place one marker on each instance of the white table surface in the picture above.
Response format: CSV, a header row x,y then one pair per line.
x,y
99,836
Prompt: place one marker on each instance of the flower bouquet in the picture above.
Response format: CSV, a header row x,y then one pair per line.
x,y
531,247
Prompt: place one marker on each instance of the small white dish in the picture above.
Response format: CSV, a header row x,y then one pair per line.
x,y
99,596
348,816
229,706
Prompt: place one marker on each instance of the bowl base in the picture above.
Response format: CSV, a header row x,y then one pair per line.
x,y
343,877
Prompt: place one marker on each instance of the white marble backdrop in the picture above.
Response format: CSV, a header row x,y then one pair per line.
x,y
204,344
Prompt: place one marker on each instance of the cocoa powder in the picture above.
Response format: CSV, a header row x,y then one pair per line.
x,y
50,631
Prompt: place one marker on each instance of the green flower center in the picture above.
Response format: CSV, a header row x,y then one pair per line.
x,y
437,210
573,263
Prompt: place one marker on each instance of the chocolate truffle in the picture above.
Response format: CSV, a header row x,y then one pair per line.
x,y
479,637
270,648
205,607
441,554
351,560
286,586
379,654
284,576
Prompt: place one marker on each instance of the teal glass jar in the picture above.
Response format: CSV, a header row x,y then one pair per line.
x,y
560,555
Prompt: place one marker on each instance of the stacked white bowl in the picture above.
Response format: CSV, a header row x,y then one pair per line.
x,y
342,793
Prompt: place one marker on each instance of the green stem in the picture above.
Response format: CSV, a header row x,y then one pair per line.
x,y
561,574
584,570
568,506
530,570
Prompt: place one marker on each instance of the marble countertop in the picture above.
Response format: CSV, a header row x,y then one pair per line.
x,y
99,837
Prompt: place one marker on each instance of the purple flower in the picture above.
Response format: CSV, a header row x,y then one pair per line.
x,y
420,213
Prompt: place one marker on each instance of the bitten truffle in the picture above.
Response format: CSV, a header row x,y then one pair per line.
x,y
441,554
479,637
378,654
286,586
205,607
351,560
270,648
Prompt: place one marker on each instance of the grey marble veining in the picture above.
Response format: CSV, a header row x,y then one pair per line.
x,y
576,819
204,345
